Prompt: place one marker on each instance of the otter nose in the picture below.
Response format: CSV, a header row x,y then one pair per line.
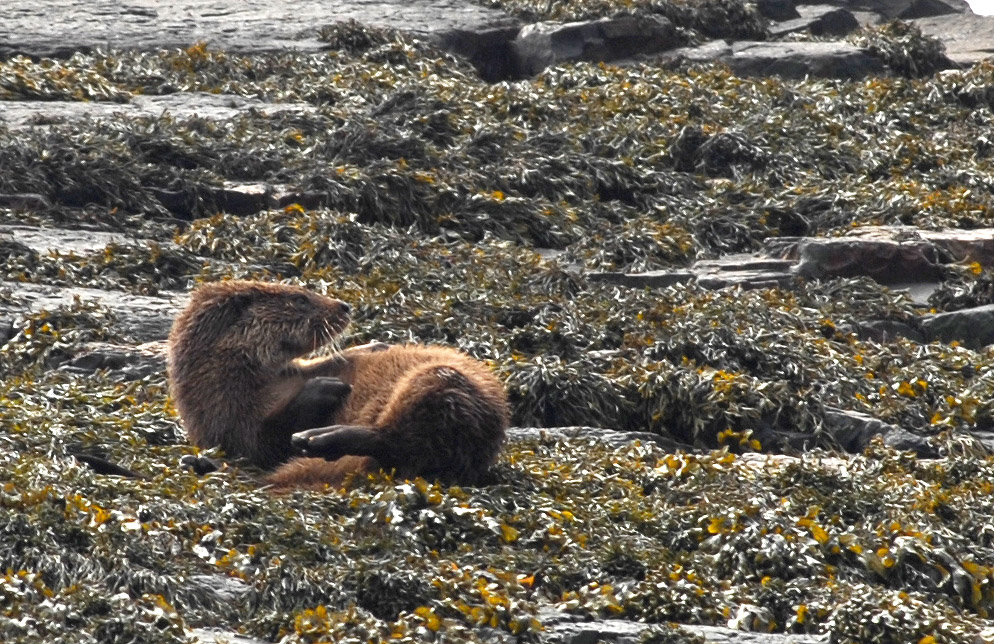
x,y
346,309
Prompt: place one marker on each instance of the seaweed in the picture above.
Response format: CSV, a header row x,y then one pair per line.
x,y
449,210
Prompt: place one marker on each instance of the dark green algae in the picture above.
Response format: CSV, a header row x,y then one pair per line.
x,y
433,191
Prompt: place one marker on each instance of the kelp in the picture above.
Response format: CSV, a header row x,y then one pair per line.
x,y
448,210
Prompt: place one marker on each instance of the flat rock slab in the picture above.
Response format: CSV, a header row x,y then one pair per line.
x,y
906,9
182,105
968,38
140,317
563,628
610,437
60,27
888,254
43,240
542,44
903,257
795,60
744,270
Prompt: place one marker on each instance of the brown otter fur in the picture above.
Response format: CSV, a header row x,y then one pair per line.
x,y
419,410
237,378
232,363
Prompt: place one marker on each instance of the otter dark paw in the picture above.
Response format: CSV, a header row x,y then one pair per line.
x,y
324,389
319,398
199,465
336,441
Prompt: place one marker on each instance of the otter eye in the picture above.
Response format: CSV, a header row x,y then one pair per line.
x,y
301,301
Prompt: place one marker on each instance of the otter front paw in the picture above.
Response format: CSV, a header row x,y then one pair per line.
x,y
323,389
336,441
317,400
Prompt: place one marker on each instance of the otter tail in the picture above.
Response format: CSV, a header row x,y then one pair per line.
x,y
316,473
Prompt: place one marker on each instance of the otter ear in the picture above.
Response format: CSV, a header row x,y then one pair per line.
x,y
226,312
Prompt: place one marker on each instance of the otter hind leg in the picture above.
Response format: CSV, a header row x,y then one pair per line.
x,y
441,422
336,441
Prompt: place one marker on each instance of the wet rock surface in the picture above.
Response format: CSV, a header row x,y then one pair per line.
x,y
968,38
238,26
819,20
541,45
498,44
35,114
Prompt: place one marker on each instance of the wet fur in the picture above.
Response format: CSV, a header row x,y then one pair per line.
x,y
238,383
436,413
232,363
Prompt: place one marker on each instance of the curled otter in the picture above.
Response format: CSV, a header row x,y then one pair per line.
x,y
239,382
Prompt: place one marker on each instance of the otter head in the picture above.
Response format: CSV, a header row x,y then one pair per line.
x,y
267,324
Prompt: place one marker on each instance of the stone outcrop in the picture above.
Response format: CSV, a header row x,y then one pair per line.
x,y
820,20
498,45
244,25
544,44
822,59
968,38
903,257
888,254
973,327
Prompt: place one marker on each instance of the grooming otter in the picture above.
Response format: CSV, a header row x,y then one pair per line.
x,y
239,382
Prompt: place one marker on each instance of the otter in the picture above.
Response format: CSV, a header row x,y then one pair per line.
x,y
239,380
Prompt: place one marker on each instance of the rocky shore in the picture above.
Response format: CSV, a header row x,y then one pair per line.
x,y
732,261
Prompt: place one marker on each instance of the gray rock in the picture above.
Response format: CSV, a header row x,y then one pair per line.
x,y
610,437
973,328
563,628
746,271
123,362
242,25
883,331
904,257
887,262
854,430
902,9
142,318
648,279
42,240
888,254
543,44
819,20
829,59
489,50
778,9
27,201
180,105
792,60
212,636
968,38
244,198
722,635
